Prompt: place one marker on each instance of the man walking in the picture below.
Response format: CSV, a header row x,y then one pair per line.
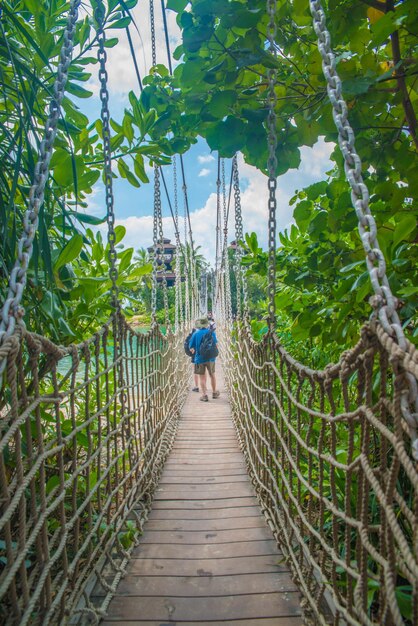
x,y
203,345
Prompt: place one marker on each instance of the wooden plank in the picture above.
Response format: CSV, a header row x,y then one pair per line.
x,y
197,551
205,504
275,621
237,565
184,471
205,586
191,479
209,608
205,525
205,537
203,492
205,514
207,556
205,464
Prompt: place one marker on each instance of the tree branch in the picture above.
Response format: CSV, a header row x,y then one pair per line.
x,y
400,78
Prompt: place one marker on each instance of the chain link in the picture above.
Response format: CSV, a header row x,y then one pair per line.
x,y
218,232
107,156
178,304
12,312
153,41
187,304
239,235
161,247
157,198
384,302
272,166
225,258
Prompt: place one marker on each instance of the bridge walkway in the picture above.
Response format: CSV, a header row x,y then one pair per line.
x,y
207,556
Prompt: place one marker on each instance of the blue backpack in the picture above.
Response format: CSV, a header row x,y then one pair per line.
x,y
208,348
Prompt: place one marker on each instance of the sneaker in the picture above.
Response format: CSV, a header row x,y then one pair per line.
x,y
195,389
204,399
216,394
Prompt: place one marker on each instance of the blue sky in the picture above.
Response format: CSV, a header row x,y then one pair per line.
x,y
134,207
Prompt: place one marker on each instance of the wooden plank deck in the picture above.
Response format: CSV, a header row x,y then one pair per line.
x,y
207,556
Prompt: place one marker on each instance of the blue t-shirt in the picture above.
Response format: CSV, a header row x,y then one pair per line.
x,y
195,342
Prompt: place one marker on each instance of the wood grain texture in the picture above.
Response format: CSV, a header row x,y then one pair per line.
x,y
207,556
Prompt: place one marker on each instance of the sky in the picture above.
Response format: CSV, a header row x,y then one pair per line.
x,y
134,207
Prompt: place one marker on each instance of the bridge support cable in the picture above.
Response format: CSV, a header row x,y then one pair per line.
x,y
225,257
193,288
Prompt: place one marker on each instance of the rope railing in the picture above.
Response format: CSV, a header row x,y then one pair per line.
x,y
84,433
329,454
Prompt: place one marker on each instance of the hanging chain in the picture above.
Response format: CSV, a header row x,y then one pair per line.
x,y
218,230
225,257
153,42
178,304
107,155
157,198
12,312
187,312
239,234
162,250
272,166
384,301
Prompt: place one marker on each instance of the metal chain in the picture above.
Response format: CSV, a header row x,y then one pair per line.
x,y
153,42
12,312
218,232
157,197
187,312
161,247
228,311
178,304
384,302
272,166
239,234
107,155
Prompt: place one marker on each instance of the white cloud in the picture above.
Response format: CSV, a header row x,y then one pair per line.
x,y
254,197
205,158
204,172
120,66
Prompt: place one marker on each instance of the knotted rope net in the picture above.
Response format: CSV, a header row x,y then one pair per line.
x,y
84,433
329,455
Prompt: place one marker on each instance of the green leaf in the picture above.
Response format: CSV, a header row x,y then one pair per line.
x,y
87,219
78,91
122,23
404,229
111,43
70,251
177,5
120,232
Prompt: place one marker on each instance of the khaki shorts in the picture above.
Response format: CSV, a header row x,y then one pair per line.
x,y
200,368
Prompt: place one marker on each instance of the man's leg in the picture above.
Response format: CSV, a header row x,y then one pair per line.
x,y
211,368
203,387
196,382
213,381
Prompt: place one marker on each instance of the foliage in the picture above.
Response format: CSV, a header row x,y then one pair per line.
x,y
221,84
29,50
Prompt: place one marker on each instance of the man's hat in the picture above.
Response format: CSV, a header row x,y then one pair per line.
x,y
202,322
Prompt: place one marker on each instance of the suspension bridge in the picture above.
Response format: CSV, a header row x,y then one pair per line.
x,y
291,499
